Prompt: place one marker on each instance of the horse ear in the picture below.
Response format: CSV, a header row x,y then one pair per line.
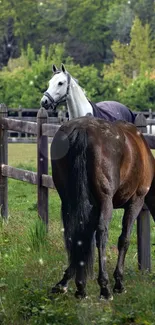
x,y
63,68
54,68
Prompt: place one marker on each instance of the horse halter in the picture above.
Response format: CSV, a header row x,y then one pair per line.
x,y
63,98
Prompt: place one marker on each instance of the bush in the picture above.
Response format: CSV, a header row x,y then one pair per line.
x,y
140,94
25,79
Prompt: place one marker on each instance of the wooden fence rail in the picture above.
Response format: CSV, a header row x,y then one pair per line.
x,y
25,114
42,129
28,114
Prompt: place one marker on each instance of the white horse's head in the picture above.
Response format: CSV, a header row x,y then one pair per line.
x,y
58,88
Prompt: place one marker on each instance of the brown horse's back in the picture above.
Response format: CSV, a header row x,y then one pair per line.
x,y
120,158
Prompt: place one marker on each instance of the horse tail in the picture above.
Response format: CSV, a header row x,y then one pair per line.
x,y
78,209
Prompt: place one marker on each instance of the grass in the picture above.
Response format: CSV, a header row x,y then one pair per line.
x,y
31,261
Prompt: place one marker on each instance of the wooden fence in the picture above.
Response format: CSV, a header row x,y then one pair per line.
x,y
30,114
42,130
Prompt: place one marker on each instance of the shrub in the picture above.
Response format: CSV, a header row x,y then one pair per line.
x,y
140,94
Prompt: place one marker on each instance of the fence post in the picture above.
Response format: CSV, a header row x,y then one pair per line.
x,y
42,165
150,116
3,160
20,116
143,221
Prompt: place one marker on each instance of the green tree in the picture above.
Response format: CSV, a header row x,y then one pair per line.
x,y
30,25
133,58
145,10
119,20
141,47
87,22
140,94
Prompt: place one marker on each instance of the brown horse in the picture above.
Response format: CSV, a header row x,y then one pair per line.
x,y
98,166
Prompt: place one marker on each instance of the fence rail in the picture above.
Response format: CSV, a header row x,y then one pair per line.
x,y
25,115
30,114
42,130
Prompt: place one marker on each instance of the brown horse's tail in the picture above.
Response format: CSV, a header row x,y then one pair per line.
x,y
78,209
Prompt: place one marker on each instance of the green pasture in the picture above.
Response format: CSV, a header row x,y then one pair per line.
x,y
31,262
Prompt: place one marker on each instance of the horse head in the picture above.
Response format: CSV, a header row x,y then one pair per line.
x,y
58,89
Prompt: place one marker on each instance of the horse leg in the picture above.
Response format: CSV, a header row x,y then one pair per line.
x,y
130,214
84,267
62,285
101,240
80,281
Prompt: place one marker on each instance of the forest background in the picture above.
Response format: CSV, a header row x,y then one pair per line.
x,y
108,45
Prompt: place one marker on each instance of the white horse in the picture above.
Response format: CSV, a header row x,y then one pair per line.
x,y
63,87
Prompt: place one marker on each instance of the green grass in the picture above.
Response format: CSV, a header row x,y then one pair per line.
x,y
31,262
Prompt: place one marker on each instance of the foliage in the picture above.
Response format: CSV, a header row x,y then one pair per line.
x,y
135,57
28,76
87,29
140,94
130,78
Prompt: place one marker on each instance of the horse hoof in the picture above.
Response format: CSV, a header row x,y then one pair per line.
x,y
110,298
59,289
80,295
105,294
119,290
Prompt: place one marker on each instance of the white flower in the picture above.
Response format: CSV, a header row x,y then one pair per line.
x,y
31,83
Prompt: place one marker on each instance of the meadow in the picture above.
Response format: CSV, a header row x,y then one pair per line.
x,y
31,261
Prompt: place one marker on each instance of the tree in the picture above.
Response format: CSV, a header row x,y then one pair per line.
x,y
133,58
119,20
87,22
140,94
145,10
8,47
88,29
30,25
